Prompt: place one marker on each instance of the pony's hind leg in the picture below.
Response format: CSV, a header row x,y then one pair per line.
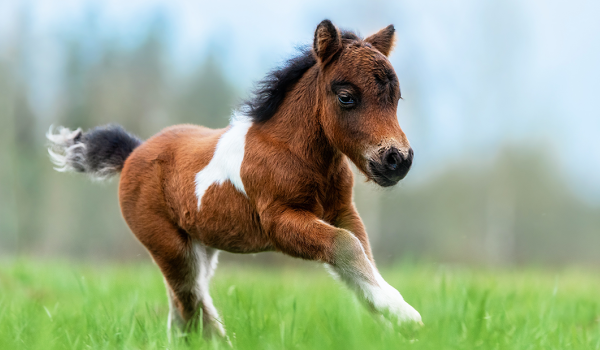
x,y
187,266
211,322
191,300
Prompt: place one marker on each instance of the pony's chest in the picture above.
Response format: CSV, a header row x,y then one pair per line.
x,y
225,218
327,204
227,221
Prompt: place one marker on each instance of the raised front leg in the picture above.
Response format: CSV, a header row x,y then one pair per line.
x,y
301,234
349,219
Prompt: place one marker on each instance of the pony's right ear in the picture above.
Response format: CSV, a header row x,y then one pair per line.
x,y
328,40
383,40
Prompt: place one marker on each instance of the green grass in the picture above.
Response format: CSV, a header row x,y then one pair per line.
x,y
66,306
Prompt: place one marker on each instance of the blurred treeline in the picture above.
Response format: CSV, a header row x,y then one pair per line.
x,y
512,208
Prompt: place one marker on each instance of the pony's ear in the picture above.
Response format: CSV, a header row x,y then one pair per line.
x,y
327,40
383,40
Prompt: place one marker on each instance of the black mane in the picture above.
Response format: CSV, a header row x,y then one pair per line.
x,y
270,92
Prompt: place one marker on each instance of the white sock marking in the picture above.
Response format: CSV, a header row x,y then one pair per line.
x,y
227,159
381,295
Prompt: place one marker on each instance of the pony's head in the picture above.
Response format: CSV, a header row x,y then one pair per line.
x,y
357,95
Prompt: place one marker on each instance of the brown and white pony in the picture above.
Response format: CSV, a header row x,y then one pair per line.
x,y
278,178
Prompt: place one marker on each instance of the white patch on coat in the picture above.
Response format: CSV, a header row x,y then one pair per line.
x,y
227,159
206,259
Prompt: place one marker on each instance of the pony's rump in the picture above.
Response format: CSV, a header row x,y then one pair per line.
x,y
99,152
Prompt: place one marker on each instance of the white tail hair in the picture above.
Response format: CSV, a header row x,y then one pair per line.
x,y
100,152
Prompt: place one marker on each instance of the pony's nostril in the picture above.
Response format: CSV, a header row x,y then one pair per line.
x,y
390,166
393,160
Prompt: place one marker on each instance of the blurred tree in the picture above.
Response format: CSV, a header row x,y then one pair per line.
x,y
517,210
8,153
21,176
207,98
114,83
511,208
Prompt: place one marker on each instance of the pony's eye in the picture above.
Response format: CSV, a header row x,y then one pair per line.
x,y
346,100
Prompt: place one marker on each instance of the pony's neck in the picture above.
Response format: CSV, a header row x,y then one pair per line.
x,y
296,125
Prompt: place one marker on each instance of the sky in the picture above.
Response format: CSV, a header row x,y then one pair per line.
x,y
474,75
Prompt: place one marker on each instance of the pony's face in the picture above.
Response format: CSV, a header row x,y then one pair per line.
x,y
358,94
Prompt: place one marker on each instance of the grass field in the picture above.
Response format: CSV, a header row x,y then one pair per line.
x,y
67,306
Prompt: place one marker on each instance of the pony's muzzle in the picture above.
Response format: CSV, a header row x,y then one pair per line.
x,y
390,166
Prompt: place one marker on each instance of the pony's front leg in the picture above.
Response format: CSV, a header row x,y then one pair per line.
x,y
302,234
351,264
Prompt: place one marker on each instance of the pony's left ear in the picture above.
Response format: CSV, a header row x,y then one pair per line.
x,y
327,40
383,40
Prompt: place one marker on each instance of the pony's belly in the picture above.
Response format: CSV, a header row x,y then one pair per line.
x,y
227,221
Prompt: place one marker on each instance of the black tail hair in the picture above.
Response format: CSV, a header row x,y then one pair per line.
x,y
99,152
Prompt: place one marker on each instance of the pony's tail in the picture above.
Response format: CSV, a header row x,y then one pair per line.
x,y
99,152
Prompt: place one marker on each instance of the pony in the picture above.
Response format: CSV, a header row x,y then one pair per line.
x,y
278,178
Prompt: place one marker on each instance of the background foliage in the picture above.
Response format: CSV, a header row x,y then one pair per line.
x,y
514,203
